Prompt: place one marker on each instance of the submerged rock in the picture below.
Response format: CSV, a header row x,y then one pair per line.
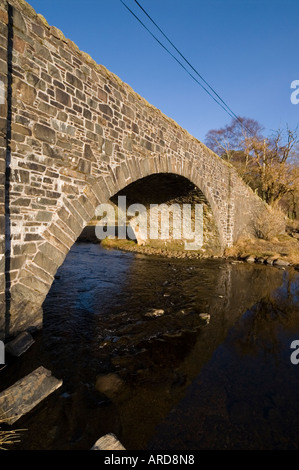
x,y
154,313
108,442
108,384
186,311
205,316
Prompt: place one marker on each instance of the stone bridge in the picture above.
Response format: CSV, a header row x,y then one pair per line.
x,y
73,135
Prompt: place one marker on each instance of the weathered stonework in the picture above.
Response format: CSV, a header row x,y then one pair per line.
x,y
78,136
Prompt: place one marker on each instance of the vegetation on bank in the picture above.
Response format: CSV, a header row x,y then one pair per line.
x,y
269,164
282,247
285,247
172,249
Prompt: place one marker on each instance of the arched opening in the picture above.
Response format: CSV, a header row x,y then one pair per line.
x,y
165,190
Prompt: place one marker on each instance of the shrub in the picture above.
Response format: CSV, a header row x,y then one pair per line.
x,y
269,224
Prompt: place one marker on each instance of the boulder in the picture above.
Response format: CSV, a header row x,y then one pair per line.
x,y
250,259
281,262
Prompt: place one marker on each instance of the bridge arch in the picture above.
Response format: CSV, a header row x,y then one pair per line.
x,y
73,136
37,273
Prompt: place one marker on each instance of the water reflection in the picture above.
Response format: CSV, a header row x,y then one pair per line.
x,y
245,397
186,385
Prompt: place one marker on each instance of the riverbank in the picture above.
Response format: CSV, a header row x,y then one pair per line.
x,y
282,250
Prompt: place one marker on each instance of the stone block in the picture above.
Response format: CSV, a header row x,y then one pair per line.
x,y
61,235
44,133
18,21
84,166
20,344
128,112
26,393
46,263
74,81
23,91
52,252
102,95
105,109
108,442
43,52
63,97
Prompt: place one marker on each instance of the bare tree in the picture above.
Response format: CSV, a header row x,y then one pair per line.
x,y
268,164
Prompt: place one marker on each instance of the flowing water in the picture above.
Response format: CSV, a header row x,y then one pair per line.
x,y
169,382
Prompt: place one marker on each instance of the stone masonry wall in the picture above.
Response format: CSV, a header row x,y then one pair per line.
x,y
79,135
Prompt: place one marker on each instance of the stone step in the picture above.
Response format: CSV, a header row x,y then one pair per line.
x,y
26,393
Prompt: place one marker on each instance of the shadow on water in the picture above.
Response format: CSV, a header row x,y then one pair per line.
x,y
182,384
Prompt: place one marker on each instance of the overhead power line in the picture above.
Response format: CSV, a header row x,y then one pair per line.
x,y
221,103
173,56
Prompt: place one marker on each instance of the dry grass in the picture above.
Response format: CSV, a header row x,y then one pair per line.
x,y
118,243
281,246
8,437
269,224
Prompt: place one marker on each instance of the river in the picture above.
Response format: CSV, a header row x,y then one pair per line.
x,y
175,381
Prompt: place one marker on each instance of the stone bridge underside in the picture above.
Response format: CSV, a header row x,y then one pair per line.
x,y
72,135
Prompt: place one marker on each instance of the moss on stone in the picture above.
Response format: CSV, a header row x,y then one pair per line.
x,y
43,20
57,33
27,8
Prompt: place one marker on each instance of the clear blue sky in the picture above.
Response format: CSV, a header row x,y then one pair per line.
x,y
247,50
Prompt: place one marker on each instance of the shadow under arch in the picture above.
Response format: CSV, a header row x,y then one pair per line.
x,y
37,274
119,179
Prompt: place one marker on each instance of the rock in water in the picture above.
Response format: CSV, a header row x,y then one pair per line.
x,y
205,316
281,262
154,313
20,344
108,442
108,384
250,259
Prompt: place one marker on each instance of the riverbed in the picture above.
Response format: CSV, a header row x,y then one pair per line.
x,y
176,381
